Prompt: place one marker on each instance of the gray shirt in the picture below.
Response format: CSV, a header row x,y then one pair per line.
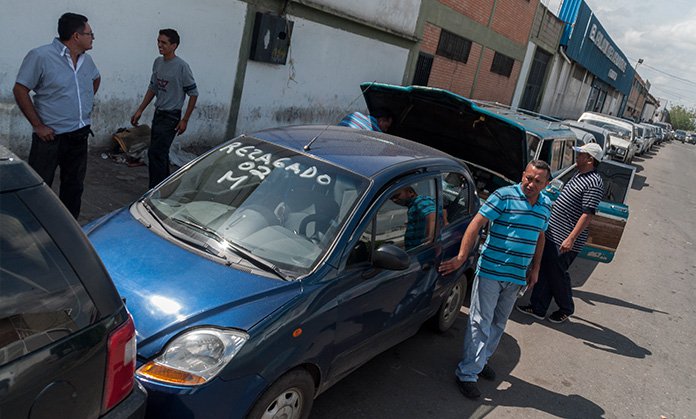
x,y
171,81
64,95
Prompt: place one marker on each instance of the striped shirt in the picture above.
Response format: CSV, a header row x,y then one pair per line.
x,y
418,209
581,195
360,121
513,233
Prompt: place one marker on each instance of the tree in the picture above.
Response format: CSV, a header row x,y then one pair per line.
x,y
682,118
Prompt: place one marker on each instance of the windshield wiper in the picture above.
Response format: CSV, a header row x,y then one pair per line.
x,y
237,249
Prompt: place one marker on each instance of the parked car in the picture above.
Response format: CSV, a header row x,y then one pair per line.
x,y
644,139
623,142
680,135
588,133
667,128
272,266
690,138
496,139
67,343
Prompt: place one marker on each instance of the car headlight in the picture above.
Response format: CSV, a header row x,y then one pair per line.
x,y
195,357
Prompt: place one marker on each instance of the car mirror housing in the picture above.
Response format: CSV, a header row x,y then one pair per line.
x,y
388,256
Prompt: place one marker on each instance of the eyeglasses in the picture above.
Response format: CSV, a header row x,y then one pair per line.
x,y
87,33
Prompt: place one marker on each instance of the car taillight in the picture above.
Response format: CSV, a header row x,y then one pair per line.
x,y
120,365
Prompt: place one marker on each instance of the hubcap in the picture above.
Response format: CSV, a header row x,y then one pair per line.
x,y
288,405
451,308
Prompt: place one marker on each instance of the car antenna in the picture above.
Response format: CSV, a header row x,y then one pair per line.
x,y
308,146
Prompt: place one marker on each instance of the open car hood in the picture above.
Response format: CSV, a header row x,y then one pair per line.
x,y
453,124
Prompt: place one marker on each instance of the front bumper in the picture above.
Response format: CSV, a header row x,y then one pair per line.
x,y
216,399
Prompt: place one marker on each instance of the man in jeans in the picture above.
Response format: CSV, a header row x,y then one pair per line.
x,y
510,259
64,80
170,82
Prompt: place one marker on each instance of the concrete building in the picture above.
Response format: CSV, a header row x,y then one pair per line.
x,y
592,73
636,98
474,48
304,65
541,53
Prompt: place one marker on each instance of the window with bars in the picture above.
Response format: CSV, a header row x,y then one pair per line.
x,y
453,46
502,64
423,67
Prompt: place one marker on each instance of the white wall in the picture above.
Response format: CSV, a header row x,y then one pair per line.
x,y
124,49
321,79
400,16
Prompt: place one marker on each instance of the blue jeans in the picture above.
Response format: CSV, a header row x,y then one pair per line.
x,y
491,304
554,281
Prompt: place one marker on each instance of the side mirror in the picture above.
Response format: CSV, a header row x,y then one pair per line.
x,y
388,256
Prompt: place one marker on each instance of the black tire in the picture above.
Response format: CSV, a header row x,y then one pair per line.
x,y
449,309
291,397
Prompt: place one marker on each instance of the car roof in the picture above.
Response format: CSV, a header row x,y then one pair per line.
x,y
360,151
607,118
15,173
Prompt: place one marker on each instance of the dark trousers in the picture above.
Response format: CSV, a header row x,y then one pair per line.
x,y
161,137
554,281
69,152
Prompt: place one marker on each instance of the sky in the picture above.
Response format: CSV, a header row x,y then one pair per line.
x,y
662,33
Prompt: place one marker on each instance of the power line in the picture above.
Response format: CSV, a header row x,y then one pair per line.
x,y
666,73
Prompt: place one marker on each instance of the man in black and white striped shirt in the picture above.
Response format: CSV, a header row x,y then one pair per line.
x,y
566,236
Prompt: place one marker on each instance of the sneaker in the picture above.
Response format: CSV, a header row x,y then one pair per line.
x,y
487,373
558,317
469,390
528,310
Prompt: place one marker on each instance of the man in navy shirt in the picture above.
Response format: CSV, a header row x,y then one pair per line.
x,y
64,80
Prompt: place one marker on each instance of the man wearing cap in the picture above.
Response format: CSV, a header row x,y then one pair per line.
x,y
566,236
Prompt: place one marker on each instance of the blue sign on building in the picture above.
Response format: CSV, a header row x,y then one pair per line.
x,y
589,44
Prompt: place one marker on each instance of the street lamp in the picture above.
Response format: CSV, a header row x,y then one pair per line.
x,y
639,62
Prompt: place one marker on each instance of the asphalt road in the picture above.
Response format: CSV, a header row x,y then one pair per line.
x,y
628,351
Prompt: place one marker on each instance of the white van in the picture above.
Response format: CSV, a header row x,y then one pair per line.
x,y
623,139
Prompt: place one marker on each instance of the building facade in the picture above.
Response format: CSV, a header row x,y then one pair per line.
x,y
539,59
473,48
592,74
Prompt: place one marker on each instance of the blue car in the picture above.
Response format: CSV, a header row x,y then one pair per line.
x,y
275,264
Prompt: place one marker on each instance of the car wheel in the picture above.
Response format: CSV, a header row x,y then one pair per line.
x,y
291,397
449,309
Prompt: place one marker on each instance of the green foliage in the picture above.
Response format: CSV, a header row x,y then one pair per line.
x,y
682,118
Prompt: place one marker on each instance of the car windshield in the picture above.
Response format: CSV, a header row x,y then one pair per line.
x,y
250,198
609,126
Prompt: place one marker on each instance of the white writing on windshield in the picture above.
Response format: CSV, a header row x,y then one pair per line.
x,y
260,165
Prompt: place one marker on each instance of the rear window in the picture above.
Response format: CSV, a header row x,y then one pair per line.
x,y
41,298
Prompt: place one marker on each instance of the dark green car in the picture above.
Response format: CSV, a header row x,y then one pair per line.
x,y
67,342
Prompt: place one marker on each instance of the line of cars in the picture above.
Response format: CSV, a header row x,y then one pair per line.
x,y
275,264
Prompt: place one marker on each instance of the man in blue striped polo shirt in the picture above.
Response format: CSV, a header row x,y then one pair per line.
x,y
380,120
566,236
509,260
